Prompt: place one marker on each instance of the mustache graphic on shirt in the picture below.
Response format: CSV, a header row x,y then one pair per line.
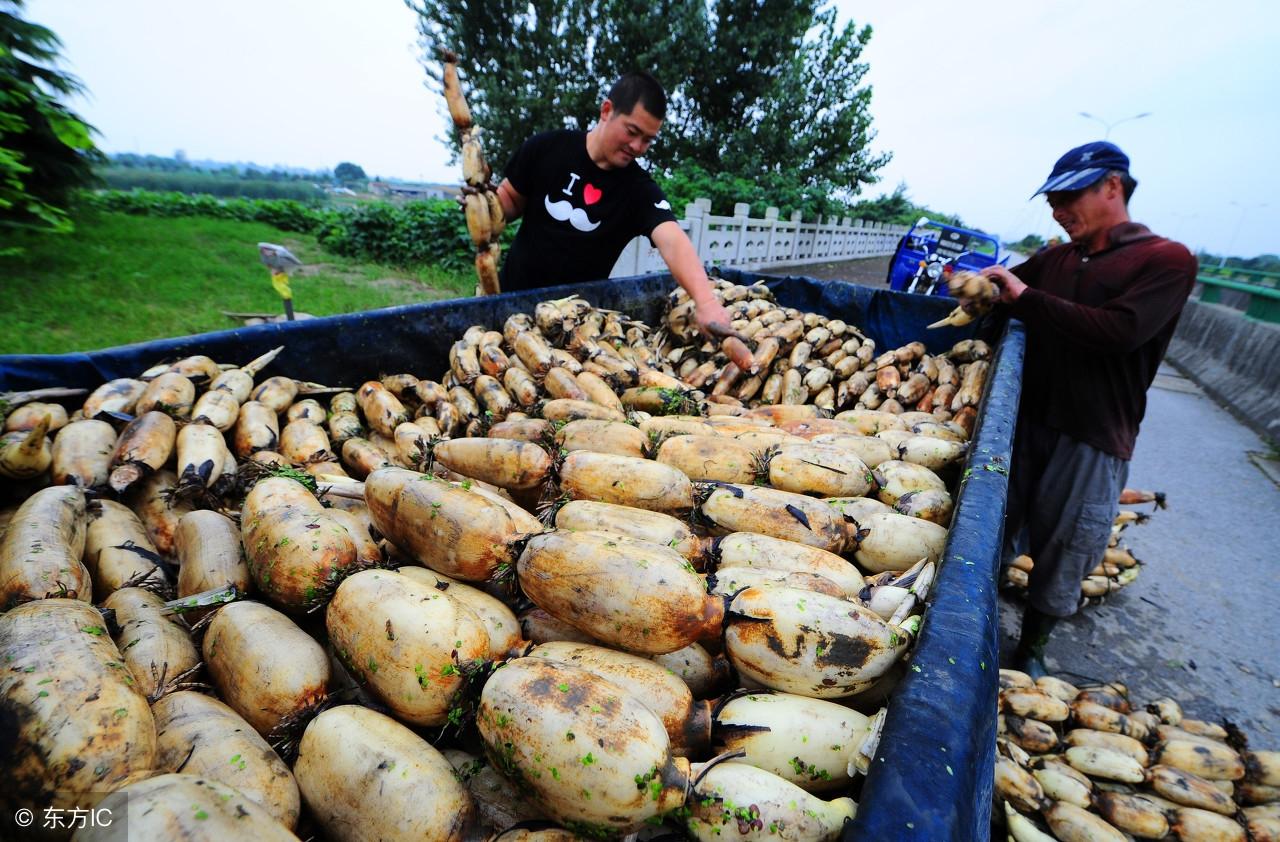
x,y
565,212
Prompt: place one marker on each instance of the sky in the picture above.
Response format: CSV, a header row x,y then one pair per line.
x,y
974,100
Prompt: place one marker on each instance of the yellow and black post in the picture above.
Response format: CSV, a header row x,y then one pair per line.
x,y
280,260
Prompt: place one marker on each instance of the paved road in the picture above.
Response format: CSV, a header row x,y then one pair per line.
x,y
871,271
1200,623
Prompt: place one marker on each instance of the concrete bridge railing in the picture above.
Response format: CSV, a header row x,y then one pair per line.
x,y
1235,359
748,243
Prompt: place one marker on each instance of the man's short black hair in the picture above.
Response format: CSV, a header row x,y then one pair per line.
x,y
639,87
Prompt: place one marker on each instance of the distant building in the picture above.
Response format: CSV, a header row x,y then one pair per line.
x,y
402,190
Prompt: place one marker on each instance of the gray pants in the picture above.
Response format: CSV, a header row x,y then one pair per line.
x,y
1062,501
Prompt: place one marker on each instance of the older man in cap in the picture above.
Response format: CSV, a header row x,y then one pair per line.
x,y
1099,311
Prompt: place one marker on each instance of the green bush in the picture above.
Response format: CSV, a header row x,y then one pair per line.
x,y
207,183
413,234
284,214
410,234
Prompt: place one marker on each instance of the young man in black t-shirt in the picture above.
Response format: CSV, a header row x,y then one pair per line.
x,y
583,198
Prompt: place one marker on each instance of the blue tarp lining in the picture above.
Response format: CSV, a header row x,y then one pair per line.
x,y
932,777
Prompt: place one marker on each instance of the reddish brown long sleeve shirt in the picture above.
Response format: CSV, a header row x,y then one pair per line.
x,y
1097,327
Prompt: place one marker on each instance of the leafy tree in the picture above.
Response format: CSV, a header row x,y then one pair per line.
x,y
689,182
147,162
1263,263
1029,244
1258,263
806,122
219,183
768,90
898,209
348,173
46,151
118,161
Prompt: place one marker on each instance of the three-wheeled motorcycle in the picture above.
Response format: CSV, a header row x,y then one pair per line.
x,y
931,252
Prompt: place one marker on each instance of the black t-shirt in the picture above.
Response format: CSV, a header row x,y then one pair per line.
x,y
578,218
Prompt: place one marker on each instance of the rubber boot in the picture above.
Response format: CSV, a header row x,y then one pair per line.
x,y
1036,628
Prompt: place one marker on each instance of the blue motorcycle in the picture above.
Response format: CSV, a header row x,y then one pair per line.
x,y
932,251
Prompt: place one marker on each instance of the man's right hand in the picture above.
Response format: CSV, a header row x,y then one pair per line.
x,y
713,321
1011,286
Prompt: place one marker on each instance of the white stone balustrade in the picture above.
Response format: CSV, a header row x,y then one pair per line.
x,y
746,243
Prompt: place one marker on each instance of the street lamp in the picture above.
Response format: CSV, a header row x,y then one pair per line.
x,y
1244,210
1110,126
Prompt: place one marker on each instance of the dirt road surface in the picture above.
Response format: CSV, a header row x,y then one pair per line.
x,y
869,272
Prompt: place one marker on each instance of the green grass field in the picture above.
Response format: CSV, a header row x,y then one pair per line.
x,y
120,279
